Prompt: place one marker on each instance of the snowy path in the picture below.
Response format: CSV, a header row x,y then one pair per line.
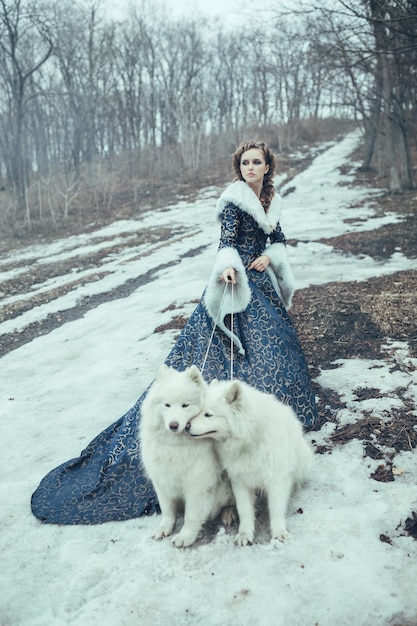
x,y
61,389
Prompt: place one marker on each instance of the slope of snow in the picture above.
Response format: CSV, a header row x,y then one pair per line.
x,y
60,390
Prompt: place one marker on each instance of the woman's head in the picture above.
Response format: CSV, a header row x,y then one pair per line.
x,y
250,148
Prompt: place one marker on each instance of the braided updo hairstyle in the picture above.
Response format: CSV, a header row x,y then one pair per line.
x,y
268,189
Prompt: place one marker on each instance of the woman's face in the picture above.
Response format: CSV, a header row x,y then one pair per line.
x,y
253,167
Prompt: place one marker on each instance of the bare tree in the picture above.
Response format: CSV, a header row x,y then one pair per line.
x,y
372,45
393,38
101,104
25,45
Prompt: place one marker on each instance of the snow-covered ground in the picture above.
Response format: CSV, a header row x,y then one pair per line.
x,y
58,391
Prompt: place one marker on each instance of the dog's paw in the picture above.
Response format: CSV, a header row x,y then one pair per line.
x,y
280,536
229,516
162,531
244,539
183,540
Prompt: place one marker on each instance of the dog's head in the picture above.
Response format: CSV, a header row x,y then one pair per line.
x,y
180,396
215,420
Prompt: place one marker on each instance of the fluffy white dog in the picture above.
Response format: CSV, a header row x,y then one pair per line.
x,y
183,471
261,445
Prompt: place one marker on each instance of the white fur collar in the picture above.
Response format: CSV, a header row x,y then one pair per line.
x,y
242,196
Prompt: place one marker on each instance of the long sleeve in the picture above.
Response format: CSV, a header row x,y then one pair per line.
x,y
227,255
229,226
221,298
280,268
277,236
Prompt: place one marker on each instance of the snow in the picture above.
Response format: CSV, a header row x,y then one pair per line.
x,y
60,390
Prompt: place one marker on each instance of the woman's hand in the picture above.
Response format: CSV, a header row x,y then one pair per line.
x,y
229,275
260,264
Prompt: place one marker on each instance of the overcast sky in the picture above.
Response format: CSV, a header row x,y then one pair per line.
x,y
211,7
228,9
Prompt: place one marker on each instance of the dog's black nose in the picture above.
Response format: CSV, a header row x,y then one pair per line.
x,y
174,426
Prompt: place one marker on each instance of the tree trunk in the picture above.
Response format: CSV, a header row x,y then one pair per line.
x,y
395,154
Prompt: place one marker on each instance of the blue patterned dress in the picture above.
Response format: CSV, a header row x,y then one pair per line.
x,y
106,482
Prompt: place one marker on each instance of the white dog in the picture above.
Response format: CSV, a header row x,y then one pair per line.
x,y
183,471
261,445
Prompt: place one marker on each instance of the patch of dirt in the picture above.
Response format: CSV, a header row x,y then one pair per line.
x,y
10,311
352,319
382,243
176,323
382,438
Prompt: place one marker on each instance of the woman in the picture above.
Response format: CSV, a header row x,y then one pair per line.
x,y
252,280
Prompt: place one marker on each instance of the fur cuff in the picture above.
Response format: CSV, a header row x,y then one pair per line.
x,y
218,298
280,272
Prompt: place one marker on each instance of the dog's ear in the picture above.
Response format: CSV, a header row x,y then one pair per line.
x,y
234,392
195,375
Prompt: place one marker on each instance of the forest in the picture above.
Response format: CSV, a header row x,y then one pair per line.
x,y
102,117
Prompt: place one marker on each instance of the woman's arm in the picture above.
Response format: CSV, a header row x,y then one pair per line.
x,y
263,261
228,260
277,236
278,266
219,299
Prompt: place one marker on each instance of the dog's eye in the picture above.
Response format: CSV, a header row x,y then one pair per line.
x,y
208,414
167,405
184,406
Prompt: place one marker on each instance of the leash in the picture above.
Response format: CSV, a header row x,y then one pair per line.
x,y
214,330
231,338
